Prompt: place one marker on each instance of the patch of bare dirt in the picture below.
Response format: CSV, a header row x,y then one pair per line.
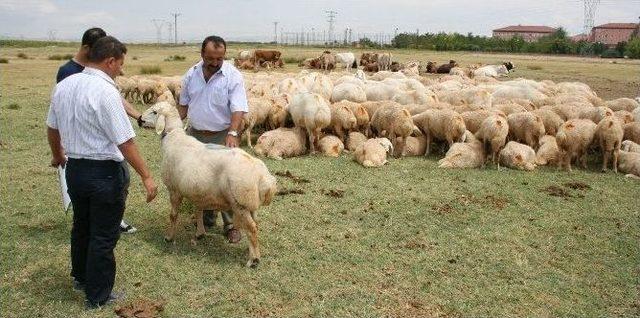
x,y
575,185
141,308
557,191
288,174
290,191
443,208
334,193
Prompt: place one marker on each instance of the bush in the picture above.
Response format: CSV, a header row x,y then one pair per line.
x,y
155,69
23,56
4,61
175,58
633,49
611,53
293,60
13,106
60,57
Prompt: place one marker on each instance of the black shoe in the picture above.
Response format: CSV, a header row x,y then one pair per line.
x,y
113,298
127,228
78,286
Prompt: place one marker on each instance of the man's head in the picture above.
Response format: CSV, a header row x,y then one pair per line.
x,y
107,54
89,38
212,53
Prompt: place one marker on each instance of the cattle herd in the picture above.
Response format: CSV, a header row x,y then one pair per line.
x,y
374,108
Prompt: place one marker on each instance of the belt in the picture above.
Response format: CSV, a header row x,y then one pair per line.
x,y
93,163
205,132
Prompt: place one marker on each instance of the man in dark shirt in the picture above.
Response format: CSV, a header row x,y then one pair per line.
x,y
76,65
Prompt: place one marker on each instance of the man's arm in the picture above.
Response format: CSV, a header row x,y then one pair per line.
x,y
132,112
57,153
130,152
182,110
236,121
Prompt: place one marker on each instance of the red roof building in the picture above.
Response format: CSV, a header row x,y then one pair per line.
x,y
529,33
612,33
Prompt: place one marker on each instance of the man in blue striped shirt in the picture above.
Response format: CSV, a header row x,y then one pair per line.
x,y
88,125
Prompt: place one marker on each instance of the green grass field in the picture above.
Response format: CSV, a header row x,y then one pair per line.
x,y
405,240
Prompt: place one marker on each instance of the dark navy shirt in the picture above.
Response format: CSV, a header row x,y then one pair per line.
x,y
68,69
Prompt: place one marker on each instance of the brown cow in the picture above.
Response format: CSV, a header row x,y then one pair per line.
x,y
371,67
367,58
431,67
262,56
446,68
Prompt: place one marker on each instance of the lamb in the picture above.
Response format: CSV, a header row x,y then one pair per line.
x,y
375,91
442,124
595,114
630,146
548,153
392,120
312,112
278,112
468,154
574,138
347,59
348,91
491,71
258,112
518,156
473,119
415,146
624,116
166,96
360,113
624,103
632,132
414,97
373,152
282,143
629,163
355,139
224,179
550,119
527,128
342,119
493,134
331,146
609,133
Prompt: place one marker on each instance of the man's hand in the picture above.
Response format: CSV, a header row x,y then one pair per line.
x,y
58,161
151,187
232,142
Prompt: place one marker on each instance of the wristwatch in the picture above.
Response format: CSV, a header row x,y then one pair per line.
x,y
233,133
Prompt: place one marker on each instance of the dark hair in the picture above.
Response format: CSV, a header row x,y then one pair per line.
x,y
216,40
92,35
106,47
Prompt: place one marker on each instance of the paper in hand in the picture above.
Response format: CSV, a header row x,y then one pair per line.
x,y
66,200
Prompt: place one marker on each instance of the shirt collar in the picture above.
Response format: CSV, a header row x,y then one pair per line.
x,y
223,69
99,73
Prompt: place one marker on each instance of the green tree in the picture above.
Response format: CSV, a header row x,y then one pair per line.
x,y
633,49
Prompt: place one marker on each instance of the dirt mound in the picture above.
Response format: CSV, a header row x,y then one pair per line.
x,y
140,308
334,193
575,185
557,191
288,174
290,191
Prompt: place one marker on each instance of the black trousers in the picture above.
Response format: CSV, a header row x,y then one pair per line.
x,y
98,191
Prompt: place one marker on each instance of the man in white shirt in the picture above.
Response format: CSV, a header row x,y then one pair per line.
x,y
88,125
214,99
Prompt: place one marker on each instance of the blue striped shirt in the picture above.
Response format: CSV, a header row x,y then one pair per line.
x,y
86,108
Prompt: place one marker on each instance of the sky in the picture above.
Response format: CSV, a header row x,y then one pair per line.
x,y
252,20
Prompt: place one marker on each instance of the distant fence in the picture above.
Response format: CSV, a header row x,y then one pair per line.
x,y
316,38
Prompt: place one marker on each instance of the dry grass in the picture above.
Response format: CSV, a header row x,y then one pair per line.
x,y
405,240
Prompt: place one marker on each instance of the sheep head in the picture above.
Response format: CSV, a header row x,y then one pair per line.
x,y
156,116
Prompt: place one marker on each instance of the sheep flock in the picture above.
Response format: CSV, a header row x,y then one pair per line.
x,y
475,113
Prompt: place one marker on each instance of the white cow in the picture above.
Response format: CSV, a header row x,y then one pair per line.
x,y
348,59
491,71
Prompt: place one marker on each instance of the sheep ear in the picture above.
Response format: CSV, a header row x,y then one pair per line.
x,y
160,124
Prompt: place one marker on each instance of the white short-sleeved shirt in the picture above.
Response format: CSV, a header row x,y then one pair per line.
x,y
86,108
211,103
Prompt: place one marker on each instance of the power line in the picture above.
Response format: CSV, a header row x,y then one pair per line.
x,y
275,32
331,18
175,26
589,15
158,23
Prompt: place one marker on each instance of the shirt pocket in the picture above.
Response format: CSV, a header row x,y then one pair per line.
x,y
220,97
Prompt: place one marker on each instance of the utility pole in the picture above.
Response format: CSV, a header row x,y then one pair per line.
x,y
331,18
275,32
158,23
175,26
589,15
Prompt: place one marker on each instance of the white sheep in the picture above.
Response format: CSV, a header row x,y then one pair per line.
x,y
222,179
373,152
311,112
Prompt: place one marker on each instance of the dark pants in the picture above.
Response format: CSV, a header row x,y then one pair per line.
x,y
98,191
209,216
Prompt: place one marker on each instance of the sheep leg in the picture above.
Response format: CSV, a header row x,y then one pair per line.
x,y
583,159
244,220
605,159
175,199
248,133
403,147
200,231
616,153
428,145
312,147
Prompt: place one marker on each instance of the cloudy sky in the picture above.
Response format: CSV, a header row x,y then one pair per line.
x,y
131,20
